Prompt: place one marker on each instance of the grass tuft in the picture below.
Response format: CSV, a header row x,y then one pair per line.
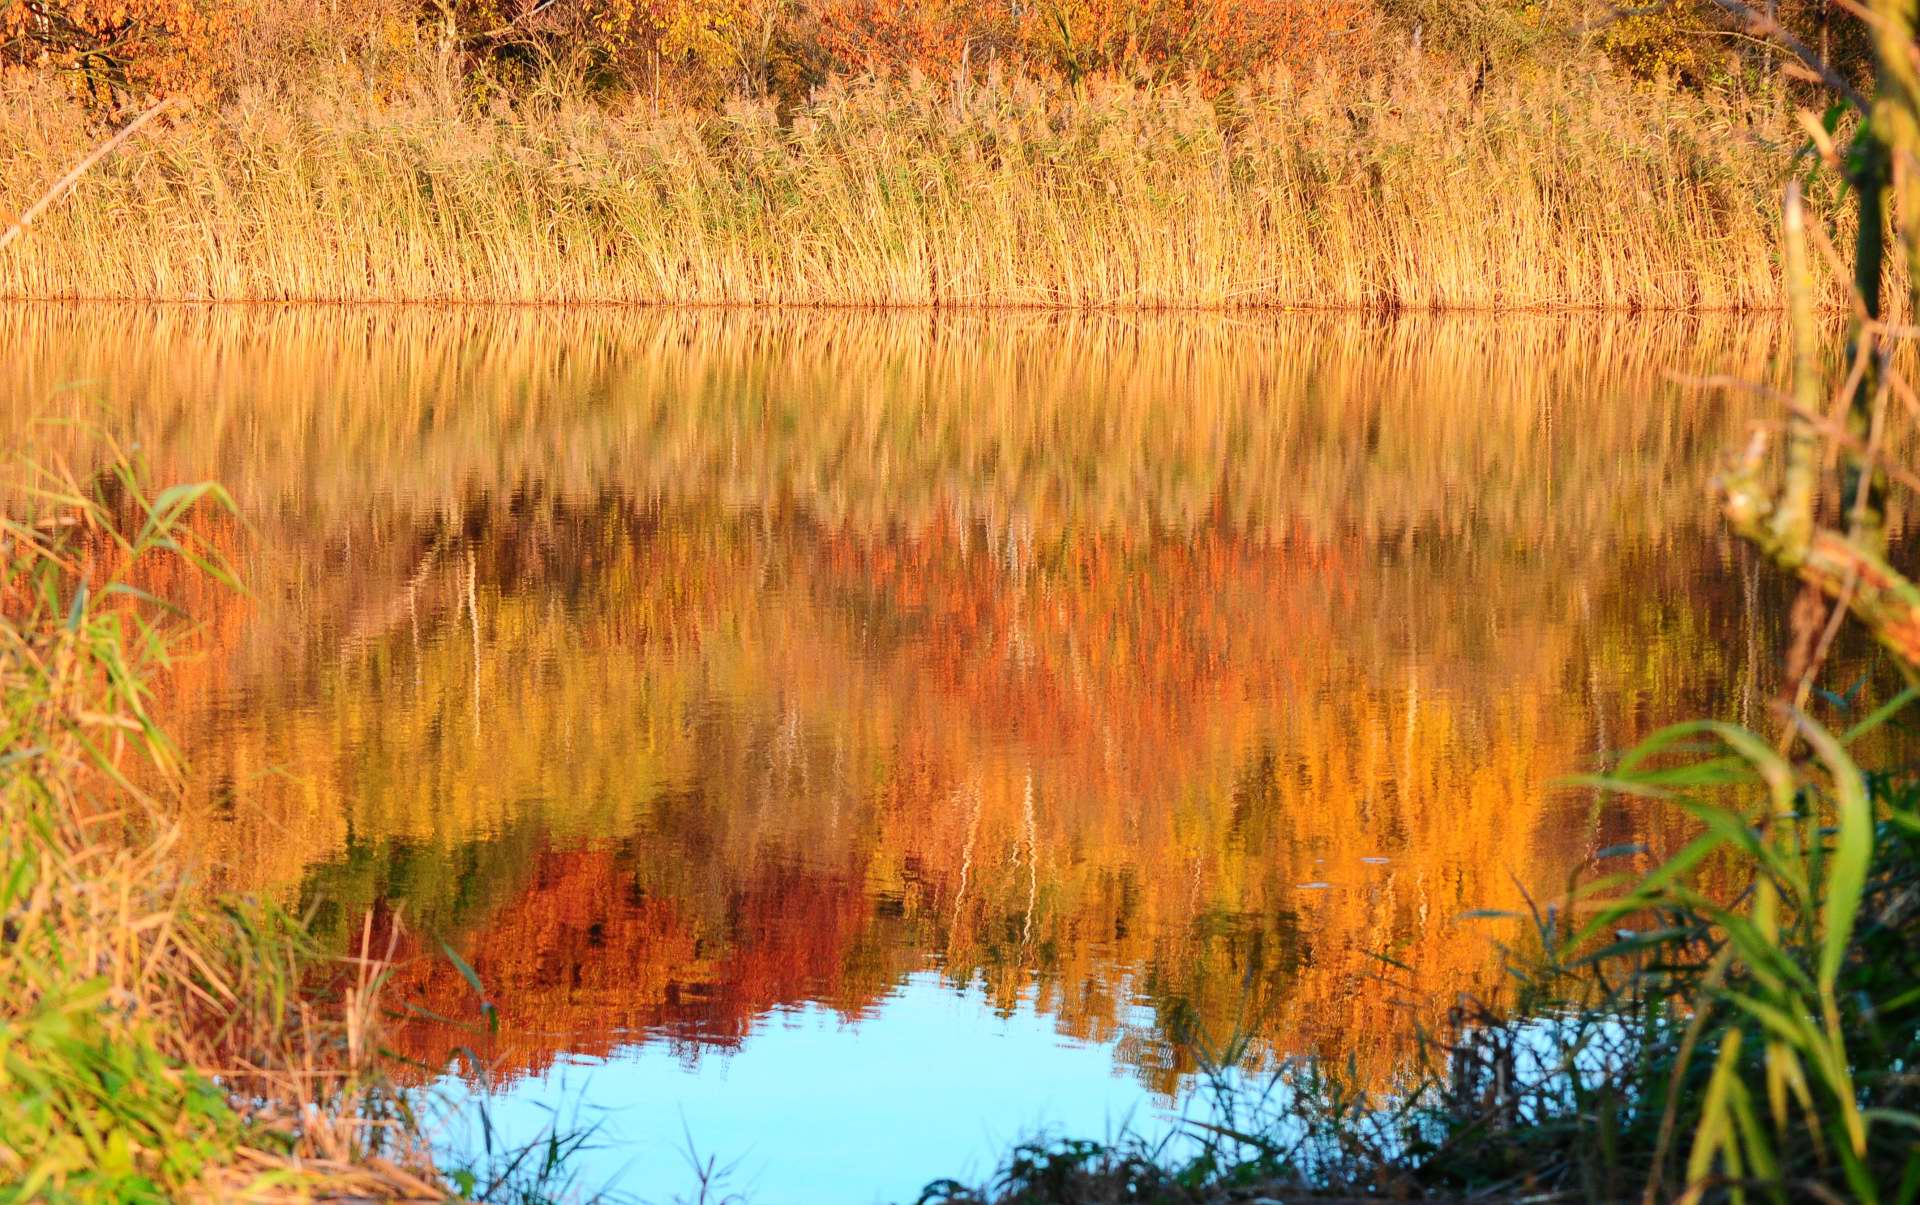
x,y
154,1045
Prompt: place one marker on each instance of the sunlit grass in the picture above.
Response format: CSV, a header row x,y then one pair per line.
x,y
1420,189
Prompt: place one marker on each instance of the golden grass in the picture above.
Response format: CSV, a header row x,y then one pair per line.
x,y
1419,190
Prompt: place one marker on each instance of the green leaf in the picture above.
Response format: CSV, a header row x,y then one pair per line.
x,y
79,606
1881,714
479,989
1852,854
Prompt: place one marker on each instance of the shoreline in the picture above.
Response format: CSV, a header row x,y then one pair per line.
x,y
930,309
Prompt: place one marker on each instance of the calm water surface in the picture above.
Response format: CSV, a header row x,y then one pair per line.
x,y
847,744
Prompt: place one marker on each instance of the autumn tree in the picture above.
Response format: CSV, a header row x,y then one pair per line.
x,y
1206,39
117,50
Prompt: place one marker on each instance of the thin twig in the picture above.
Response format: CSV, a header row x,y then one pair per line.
x,y
1907,396
1723,380
1817,232
1843,400
1822,647
67,181
1820,423
1764,24
503,30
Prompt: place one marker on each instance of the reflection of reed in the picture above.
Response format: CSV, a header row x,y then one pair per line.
x,y
972,793
1033,864
1334,422
473,619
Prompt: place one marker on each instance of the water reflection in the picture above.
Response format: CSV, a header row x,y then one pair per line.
x,y
821,1108
1145,677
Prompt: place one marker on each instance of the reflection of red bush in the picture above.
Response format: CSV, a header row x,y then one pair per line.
x,y
583,958
1201,715
1055,648
1055,644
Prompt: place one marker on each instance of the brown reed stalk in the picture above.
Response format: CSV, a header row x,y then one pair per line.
x,y
157,1041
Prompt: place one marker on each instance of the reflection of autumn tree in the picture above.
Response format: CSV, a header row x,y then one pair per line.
x,y
681,671
586,957
1107,763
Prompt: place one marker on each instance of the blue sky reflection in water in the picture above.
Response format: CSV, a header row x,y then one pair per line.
x,y
706,680
819,1107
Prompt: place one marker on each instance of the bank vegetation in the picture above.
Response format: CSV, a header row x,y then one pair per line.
x,y
1131,154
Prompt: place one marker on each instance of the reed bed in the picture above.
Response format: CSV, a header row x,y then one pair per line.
x,y
1424,188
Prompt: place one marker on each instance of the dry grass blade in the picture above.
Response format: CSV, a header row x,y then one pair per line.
x,y
66,182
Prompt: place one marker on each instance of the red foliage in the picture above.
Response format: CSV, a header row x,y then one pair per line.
x,y
888,36
1212,40
701,50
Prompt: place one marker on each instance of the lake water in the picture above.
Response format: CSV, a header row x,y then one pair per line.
x,y
844,744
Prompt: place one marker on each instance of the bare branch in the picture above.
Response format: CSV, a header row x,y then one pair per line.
x,y
1763,24
503,30
80,169
1793,517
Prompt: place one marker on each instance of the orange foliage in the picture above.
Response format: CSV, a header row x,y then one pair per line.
x,y
119,49
1210,40
935,36
699,50
1215,40
703,43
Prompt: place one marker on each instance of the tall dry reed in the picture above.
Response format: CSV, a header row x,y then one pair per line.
x,y
1425,189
